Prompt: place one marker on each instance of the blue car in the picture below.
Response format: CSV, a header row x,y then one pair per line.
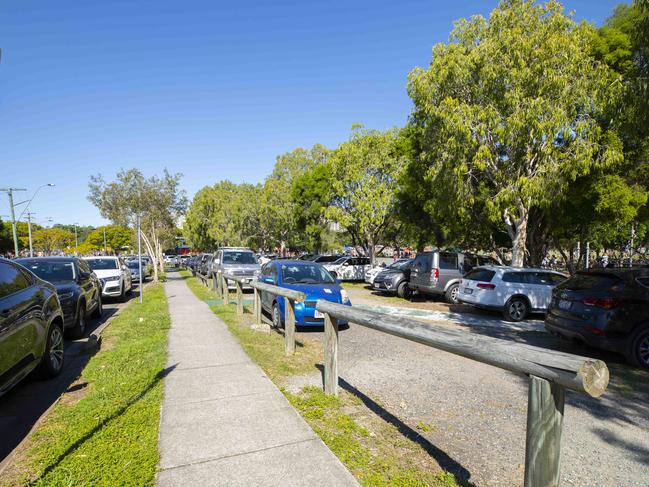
x,y
308,277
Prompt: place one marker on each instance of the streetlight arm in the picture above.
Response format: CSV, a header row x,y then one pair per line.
x,y
31,199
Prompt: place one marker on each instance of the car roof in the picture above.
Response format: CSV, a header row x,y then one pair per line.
x,y
506,268
95,257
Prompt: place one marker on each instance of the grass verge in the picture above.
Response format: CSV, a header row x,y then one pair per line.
x,y
374,450
109,436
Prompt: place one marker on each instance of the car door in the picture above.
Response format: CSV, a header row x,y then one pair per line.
x,y
363,267
267,277
20,318
85,283
546,282
126,274
420,271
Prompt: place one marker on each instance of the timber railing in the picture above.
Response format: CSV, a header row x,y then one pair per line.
x,y
220,285
550,373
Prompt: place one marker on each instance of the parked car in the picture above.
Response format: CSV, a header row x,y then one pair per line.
x,y
113,274
31,326
394,278
374,271
78,288
605,308
311,279
203,267
439,272
134,267
349,268
236,261
516,291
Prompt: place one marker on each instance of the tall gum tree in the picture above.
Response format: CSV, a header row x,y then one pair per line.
x,y
508,110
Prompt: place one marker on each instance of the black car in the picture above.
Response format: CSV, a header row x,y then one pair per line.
x,y
78,288
394,279
325,259
604,308
31,326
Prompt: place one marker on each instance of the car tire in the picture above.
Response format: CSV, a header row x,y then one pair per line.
x,y
403,290
53,356
99,309
451,294
516,309
277,316
79,327
638,348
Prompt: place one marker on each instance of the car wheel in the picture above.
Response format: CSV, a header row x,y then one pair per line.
x,y
403,291
277,316
79,327
638,353
99,309
516,309
53,356
451,294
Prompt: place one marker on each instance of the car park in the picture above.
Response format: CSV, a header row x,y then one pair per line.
x,y
113,274
31,326
304,276
349,268
236,261
606,309
394,279
78,289
439,272
515,291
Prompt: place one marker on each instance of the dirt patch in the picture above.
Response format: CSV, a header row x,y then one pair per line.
x,y
77,391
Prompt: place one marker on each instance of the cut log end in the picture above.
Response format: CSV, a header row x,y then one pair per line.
x,y
595,376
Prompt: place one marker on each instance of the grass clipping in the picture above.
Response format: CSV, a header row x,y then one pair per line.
x,y
110,436
374,450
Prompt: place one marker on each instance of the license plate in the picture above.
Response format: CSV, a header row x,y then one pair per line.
x,y
563,304
318,314
468,290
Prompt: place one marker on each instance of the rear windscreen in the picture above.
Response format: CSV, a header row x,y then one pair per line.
x,y
580,282
484,275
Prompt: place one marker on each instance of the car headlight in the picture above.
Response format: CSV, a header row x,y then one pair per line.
x,y
344,295
65,295
112,278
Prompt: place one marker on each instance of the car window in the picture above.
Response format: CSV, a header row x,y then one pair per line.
x,y
12,280
273,272
448,261
421,262
51,271
102,264
584,281
305,274
238,258
516,277
364,261
556,278
484,275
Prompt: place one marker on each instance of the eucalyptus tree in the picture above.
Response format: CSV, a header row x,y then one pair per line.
x,y
158,202
508,111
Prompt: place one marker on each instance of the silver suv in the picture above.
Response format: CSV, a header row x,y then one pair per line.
x,y
236,261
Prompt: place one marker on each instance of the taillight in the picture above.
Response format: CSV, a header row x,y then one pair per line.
x,y
483,285
434,275
595,331
606,303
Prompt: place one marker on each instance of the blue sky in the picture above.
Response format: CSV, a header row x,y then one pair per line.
x,y
215,90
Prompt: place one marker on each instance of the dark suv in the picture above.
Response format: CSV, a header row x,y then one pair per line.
x,y
31,326
439,272
605,308
78,288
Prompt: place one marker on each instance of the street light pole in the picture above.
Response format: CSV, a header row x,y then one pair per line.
x,y
29,229
10,192
139,256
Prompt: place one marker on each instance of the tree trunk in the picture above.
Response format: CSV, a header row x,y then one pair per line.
x,y
517,230
152,254
370,250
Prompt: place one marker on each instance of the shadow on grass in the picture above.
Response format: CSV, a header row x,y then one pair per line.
x,y
100,425
446,462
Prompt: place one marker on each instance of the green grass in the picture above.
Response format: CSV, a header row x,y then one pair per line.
x,y
371,448
375,451
110,435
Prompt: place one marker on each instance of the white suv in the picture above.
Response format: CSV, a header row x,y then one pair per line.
x,y
115,277
515,291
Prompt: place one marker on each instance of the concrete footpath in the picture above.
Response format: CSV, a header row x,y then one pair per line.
x,y
223,422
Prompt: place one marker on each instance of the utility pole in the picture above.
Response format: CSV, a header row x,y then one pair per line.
x,y
139,257
29,229
10,192
76,237
105,241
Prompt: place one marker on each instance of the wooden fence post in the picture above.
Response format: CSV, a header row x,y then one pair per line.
x,y
239,298
215,287
289,327
543,442
331,355
257,306
224,290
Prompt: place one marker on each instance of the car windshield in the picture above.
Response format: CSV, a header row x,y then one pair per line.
x,y
52,271
342,260
102,264
239,258
400,264
132,264
305,274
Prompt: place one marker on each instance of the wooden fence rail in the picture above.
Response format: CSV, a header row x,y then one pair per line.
x,y
550,373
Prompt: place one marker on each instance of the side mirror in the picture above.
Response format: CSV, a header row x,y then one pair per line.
x,y
217,261
345,264
84,275
268,280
